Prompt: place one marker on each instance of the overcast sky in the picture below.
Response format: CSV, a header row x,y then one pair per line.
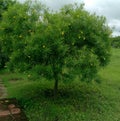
x,y
108,8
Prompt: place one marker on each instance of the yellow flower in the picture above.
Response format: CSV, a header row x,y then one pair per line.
x,y
20,36
62,33
29,75
43,46
81,32
73,43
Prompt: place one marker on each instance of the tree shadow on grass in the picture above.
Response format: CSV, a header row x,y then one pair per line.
x,y
74,99
81,97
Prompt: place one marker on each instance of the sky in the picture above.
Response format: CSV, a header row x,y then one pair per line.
x,y
108,8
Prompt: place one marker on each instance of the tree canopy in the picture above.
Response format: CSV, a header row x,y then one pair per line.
x,y
59,45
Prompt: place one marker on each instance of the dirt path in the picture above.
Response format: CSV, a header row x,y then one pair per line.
x,y
3,91
9,108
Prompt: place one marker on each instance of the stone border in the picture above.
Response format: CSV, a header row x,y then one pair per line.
x,y
11,111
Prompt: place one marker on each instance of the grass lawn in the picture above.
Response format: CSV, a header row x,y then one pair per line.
x,y
77,101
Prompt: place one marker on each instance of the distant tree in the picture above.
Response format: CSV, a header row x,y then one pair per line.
x,y
116,42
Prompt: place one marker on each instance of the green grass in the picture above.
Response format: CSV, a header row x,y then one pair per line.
x,y
77,101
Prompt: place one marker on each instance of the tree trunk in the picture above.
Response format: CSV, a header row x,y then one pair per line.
x,y
55,74
55,69
56,86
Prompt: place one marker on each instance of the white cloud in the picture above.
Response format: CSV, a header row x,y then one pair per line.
x,y
108,8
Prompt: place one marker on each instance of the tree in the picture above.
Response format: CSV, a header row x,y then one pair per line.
x,y
116,41
61,45
70,43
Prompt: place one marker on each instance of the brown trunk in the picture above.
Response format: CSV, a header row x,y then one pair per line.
x,y
55,74
56,87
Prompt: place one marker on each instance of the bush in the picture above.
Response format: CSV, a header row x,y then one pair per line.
x,y
116,42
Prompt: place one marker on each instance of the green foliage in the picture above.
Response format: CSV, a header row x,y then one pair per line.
x,y
116,42
17,27
4,5
59,45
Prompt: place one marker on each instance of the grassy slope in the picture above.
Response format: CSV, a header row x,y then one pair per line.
x,y
76,102
111,85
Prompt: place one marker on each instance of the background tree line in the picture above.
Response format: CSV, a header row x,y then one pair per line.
x,y
116,42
